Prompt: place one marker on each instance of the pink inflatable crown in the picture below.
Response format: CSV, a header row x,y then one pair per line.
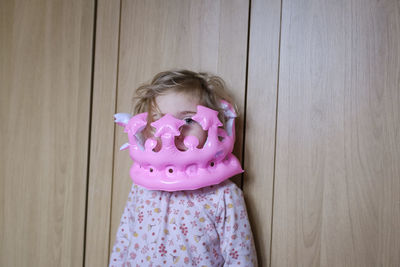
x,y
171,169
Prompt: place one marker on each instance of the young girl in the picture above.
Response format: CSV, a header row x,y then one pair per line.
x,y
203,227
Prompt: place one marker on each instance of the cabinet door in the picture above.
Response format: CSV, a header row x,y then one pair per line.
x,y
154,36
159,35
262,92
102,132
45,70
337,185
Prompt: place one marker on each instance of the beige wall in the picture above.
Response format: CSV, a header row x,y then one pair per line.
x,y
317,85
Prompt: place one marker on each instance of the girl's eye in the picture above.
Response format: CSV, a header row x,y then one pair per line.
x,y
189,120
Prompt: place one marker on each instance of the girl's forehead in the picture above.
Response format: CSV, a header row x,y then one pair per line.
x,y
177,103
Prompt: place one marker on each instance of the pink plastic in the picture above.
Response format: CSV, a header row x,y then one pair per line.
x,y
171,169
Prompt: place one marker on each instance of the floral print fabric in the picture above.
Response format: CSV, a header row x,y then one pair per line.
x,y
204,227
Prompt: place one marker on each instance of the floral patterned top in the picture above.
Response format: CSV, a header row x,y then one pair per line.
x,y
204,227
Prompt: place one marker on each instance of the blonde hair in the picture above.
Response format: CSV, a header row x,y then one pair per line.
x,y
211,90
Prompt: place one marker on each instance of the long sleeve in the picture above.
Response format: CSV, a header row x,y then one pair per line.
x,y
233,227
120,250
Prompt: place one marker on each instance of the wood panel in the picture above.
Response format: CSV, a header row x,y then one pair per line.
x,y
260,121
102,133
45,53
337,186
158,35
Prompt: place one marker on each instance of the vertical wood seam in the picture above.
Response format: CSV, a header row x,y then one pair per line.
x,y
245,92
90,129
114,141
276,135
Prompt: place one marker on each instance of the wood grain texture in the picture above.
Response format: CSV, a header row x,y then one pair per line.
x,y
337,186
260,121
45,67
159,35
102,133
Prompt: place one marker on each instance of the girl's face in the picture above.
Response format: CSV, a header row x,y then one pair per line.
x,y
182,106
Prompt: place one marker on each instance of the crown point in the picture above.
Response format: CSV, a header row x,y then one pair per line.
x,y
229,111
207,117
136,123
167,125
122,119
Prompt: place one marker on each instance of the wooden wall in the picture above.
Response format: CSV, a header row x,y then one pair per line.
x,y
317,86
45,73
337,175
